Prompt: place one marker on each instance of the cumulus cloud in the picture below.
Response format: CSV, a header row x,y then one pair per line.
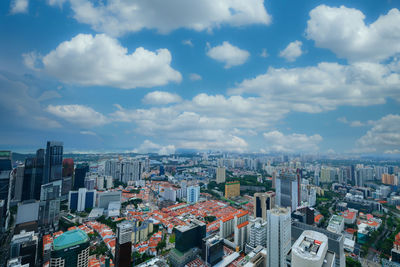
x,y
161,98
205,122
88,133
343,31
120,17
149,147
83,116
355,123
292,51
195,77
291,143
229,54
325,86
19,6
383,137
187,42
100,60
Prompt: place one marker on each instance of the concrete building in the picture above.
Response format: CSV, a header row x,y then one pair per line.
x,y
278,236
220,175
104,198
123,245
81,200
193,194
232,189
212,249
311,250
336,224
288,190
25,247
70,249
263,202
258,233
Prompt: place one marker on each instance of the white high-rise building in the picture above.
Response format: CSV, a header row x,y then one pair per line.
x,y
310,250
109,182
221,175
193,194
278,236
258,233
100,182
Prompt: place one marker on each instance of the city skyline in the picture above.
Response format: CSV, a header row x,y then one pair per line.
x,y
320,77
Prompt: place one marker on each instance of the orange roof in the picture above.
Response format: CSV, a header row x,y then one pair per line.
x,y
243,224
228,218
397,236
351,230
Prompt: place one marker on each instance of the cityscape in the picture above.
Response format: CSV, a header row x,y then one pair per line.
x,y
199,133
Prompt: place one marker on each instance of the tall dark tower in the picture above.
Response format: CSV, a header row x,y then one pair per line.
x,y
80,174
123,246
53,162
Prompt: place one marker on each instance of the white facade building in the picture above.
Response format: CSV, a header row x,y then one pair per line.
x,y
193,194
278,236
310,249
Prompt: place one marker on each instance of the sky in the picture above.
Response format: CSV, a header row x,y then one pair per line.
x,y
165,76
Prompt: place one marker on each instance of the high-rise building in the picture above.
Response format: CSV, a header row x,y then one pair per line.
x,y
5,181
258,233
70,249
189,236
49,207
33,176
68,168
25,246
278,236
232,189
80,174
53,162
193,194
288,190
105,198
109,182
82,199
19,180
212,249
388,179
263,202
221,175
311,250
123,246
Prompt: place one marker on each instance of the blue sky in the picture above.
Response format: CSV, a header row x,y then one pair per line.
x,y
240,76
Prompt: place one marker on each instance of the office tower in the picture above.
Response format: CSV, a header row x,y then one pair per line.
x,y
212,249
258,233
81,200
162,170
288,190
221,175
90,182
33,176
335,241
311,250
189,236
19,180
304,215
49,207
273,179
232,189
66,187
193,194
123,246
25,245
278,236
5,193
100,182
68,168
53,162
27,216
70,249
80,174
388,179
263,202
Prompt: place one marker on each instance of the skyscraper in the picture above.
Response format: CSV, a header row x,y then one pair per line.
x,y
80,174
123,246
82,199
263,202
288,190
278,236
221,176
193,194
53,162
33,176
25,245
5,193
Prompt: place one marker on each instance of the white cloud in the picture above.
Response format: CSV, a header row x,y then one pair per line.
x,y
102,61
120,17
83,116
187,42
149,147
58,3
206,122
325,86
46,95
31,60
383,137
264,53
292,143
88,133
195,77
343,31
355,123
228,54
292,51
19,6
161,98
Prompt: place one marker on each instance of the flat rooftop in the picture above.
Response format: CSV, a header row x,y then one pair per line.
x,y
70,238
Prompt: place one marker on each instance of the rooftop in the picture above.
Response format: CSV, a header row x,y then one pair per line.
x,y
70,238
